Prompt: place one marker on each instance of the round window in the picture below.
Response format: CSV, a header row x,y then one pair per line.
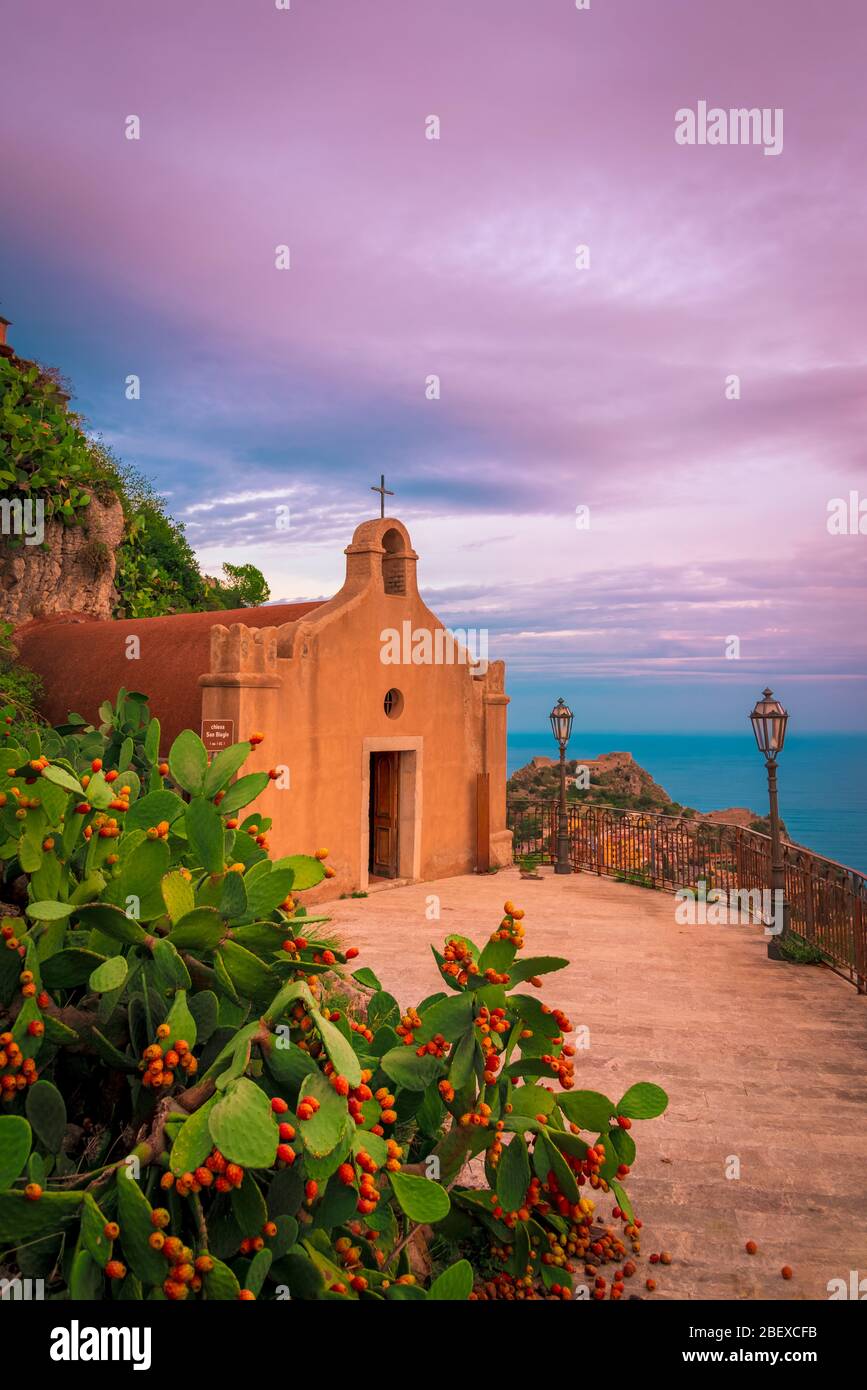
x,y
393,703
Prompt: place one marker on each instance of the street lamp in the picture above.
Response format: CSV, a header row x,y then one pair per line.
x,y
769,721
561,723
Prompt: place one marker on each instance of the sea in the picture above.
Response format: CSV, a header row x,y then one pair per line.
x,y
822,778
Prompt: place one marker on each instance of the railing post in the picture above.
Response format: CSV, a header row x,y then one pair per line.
x,y
809,915
860,953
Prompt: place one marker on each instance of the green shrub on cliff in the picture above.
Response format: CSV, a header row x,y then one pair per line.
x,y
43,450
19,688
157,571
45,453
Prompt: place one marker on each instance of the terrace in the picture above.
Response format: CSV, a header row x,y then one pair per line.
x,y
765,1063
827,901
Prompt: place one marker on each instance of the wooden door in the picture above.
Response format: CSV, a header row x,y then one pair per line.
x,y
384,814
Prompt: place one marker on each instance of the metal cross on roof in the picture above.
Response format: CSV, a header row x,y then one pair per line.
x,y
383,493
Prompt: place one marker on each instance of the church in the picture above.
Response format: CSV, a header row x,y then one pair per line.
x,y
395,764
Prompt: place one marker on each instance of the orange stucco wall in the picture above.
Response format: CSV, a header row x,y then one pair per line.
x,y
316,688
83,662
312,679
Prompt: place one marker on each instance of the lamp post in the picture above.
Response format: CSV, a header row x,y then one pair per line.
x,y
769,721
561,723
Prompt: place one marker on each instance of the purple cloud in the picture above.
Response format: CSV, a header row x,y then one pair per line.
x,y
456,257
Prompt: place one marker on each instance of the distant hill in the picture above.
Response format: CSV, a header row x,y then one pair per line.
x,y
615,779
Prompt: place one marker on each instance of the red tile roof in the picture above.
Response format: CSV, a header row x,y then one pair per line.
x,y
83,662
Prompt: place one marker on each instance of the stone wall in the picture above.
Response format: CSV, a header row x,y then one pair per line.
x,y
75,574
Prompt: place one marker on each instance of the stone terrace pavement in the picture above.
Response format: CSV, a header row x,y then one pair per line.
x,y
762,1060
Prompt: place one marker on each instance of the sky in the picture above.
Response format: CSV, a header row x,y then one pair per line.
x,y
575,387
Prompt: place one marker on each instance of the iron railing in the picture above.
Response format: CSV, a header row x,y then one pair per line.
x,y
827,901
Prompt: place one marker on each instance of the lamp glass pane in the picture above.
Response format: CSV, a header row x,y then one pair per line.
x,y
769,721
561,722
777,731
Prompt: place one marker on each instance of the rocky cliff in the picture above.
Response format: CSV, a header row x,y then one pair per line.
x,y
615,779
71,572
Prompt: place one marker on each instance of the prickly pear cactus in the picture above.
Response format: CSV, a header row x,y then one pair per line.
x,y
200,1100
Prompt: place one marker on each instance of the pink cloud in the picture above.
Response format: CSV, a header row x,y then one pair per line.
x,y
457,257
